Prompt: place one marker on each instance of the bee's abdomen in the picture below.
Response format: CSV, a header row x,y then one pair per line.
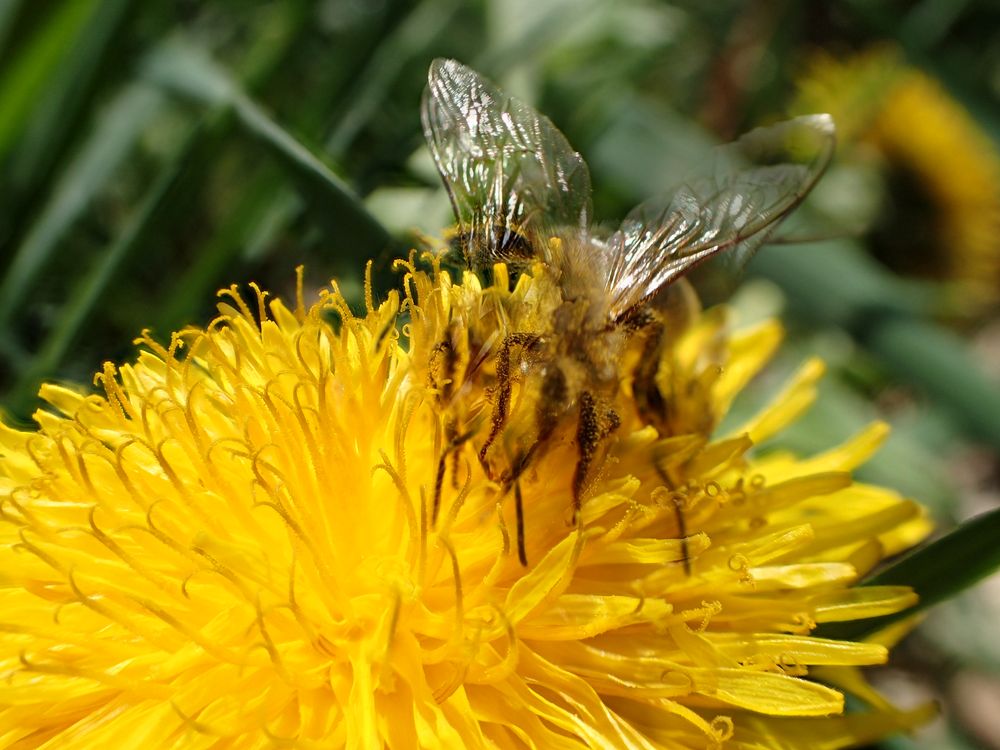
x,y
649,401
483,246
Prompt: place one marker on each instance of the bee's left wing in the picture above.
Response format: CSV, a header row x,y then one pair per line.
x,y
748,187
508,170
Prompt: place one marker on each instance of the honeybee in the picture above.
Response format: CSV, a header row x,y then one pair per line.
x,y
521,195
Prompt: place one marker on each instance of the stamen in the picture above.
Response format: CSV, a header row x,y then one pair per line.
x,y
723,728
303,360
741,564
506,666
262,316
397,605
300,300
38,460
108,379
456,572
233,292
402,497
409,407
369,297
504,535
197,726
456,506
293,604
272,650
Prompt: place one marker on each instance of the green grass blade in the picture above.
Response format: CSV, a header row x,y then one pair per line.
x,y
351,224
316,180
407,45
520,42
243,221
37,63
189,71
75,312
110,142
411,39
182,176
65,95
936,571
271,222
8,15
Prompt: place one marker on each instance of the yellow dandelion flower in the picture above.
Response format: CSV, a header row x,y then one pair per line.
x,y
936,153
276,532
851,89
936,140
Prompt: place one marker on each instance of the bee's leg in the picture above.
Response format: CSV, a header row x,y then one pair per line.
x,y
439,477
444,381
505,385
673,310
590,431
522,553
455,441
454,468
678,503
441,377
682,533
553,394
513,479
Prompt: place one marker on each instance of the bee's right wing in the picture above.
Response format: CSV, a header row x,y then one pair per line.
x,y
746,189
510,174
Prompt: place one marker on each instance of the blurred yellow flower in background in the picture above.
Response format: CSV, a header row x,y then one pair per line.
x,y
275,532
939,162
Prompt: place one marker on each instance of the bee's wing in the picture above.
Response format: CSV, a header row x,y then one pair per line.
x,y
504,164
732,205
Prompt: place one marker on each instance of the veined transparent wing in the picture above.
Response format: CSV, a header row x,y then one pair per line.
x,y
747,187
511,175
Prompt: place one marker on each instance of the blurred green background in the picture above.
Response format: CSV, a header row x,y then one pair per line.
x,y
153,152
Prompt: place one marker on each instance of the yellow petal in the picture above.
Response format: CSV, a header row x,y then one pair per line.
x,y
788,405
863,602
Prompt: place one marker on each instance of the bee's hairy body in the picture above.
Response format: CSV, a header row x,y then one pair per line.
x,y
568,366
603,306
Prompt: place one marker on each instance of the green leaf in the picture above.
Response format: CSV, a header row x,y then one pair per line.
x,y
835,284
936,571
940,362
906,462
